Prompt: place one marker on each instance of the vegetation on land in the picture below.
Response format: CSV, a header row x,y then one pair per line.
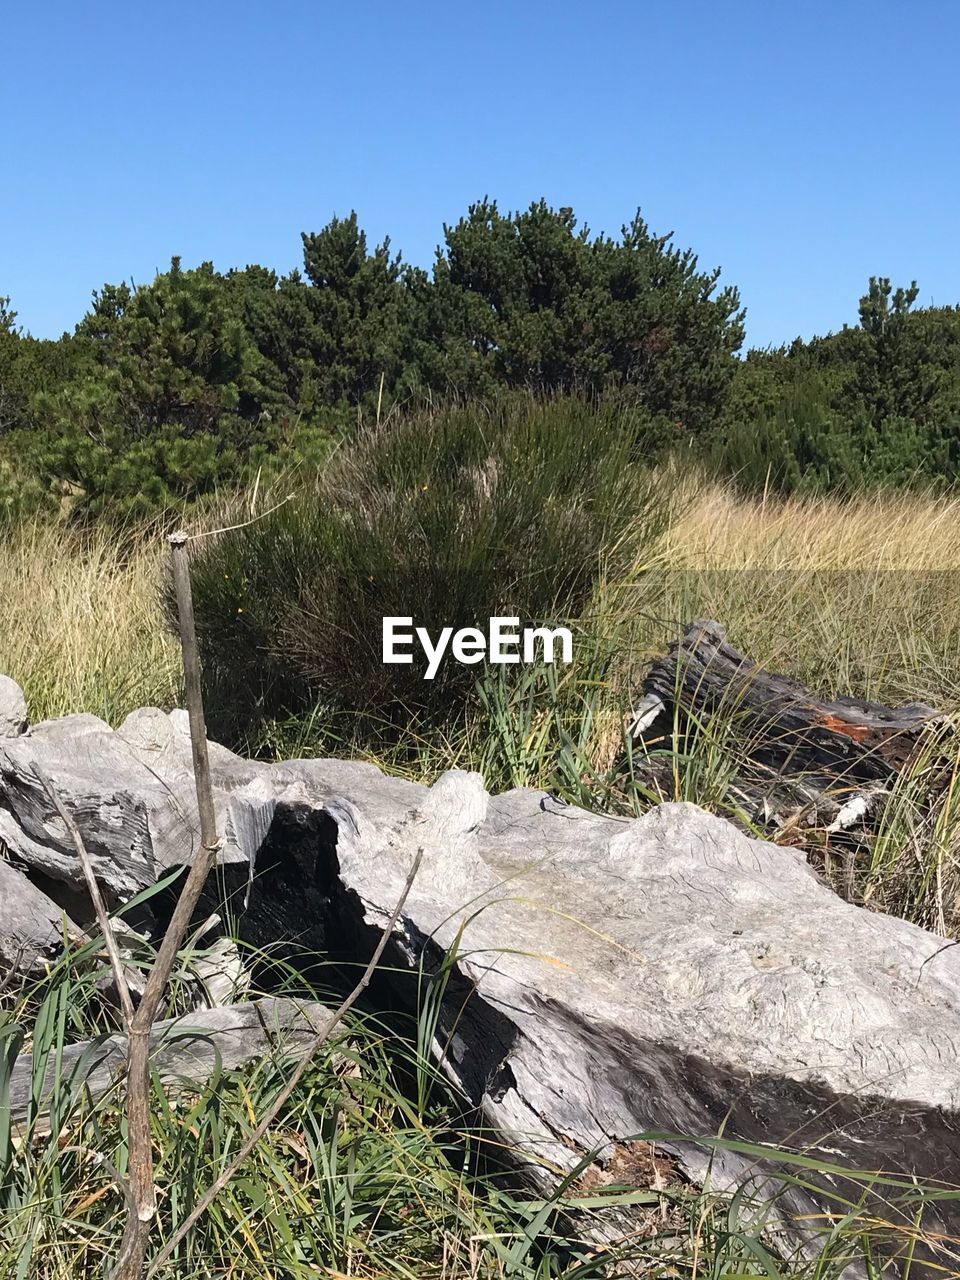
x,y
453,516
859,594
373,1169
359,1177
201,380
877,404
549,424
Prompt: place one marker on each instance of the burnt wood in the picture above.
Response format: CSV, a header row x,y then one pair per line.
x,y
784,725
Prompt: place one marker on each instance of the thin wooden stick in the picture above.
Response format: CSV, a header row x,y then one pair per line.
x,y
208,1197
136,1231
210,533
103,917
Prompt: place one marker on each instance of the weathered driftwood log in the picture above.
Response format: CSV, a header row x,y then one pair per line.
x,y
611,976
189,1050
802,762
32,927
781,723
132,795
13,708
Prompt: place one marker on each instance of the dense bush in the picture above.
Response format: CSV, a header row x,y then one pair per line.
x,y
28,369
154,415
529,300
878,404
200,379
516,508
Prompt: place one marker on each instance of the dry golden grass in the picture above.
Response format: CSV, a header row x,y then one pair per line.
x,y
719,528
80,622
853,596
858,595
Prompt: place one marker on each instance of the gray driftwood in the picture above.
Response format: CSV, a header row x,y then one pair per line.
x,y
32,927
804,762
781,722
189,1050
666,973
13,708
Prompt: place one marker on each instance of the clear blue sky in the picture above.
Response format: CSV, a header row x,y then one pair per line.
x,y
801,147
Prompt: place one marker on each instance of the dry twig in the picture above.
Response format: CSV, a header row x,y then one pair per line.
x,y
136,1232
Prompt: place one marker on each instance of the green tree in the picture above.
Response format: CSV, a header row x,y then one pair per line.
x,y
527,299
362,315
27,366
876,403
890,378
11,404
156,413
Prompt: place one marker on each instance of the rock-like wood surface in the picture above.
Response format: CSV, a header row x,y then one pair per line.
x,y
611,976
32,927
190,1050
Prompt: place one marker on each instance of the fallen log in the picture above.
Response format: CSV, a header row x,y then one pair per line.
x,y
190,1050
802,761
782,723
596,977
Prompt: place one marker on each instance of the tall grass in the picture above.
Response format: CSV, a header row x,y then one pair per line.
x,y
449,517
81,627
719,527
851,595
362,1176
353,1179
855,595
367,1176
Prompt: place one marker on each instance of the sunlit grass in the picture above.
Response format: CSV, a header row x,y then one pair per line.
x,y
80,621
860,595
374,1170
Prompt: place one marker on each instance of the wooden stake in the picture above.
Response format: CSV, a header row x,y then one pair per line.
x,y
136,1233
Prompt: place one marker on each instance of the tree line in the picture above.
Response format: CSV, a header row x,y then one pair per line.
x,y
201,378
876,404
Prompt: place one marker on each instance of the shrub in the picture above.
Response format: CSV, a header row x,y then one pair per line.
x,y
529,299
799,445
450,517
23,495
155,415
873,406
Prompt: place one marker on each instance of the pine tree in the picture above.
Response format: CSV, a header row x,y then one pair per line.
x,y
528,299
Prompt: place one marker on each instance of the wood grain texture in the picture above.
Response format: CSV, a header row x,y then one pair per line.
x,y
189,1050
32,927
783,723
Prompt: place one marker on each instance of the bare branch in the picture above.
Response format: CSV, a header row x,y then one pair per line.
x,y
103,917
136,1232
